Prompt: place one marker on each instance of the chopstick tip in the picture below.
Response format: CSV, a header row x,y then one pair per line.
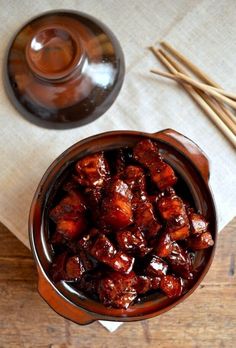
x,y
152,48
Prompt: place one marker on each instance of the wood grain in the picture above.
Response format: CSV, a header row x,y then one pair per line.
x,y
206,319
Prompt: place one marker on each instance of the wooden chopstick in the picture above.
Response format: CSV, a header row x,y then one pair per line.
x,y
174,67
218,108
225,115
197,71
184,78
191,81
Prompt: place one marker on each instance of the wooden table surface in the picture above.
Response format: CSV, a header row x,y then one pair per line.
x,y
205,319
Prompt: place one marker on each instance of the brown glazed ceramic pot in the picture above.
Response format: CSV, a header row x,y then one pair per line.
x,y
63,69
190,164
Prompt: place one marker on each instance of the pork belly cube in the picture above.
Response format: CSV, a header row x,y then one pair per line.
x,y
178,227
173,210
132,242
171,286
74,268
87,240
143,284
104,251
118,188
181,233
180,262
200,241
147,153
162,175
116,206
155,282
163,246
92,170
146,283
58,267
122,263
117,214
69,207
170,207
145,220
117,290
198,223
156,267
135,178
71,229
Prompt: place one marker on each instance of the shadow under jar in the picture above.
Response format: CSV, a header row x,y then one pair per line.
x,y
63,69
190,165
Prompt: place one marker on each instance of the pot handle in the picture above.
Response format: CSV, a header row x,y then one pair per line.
x,y
189,148
60,305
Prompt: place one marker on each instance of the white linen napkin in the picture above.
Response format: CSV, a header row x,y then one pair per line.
x,y
203,30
